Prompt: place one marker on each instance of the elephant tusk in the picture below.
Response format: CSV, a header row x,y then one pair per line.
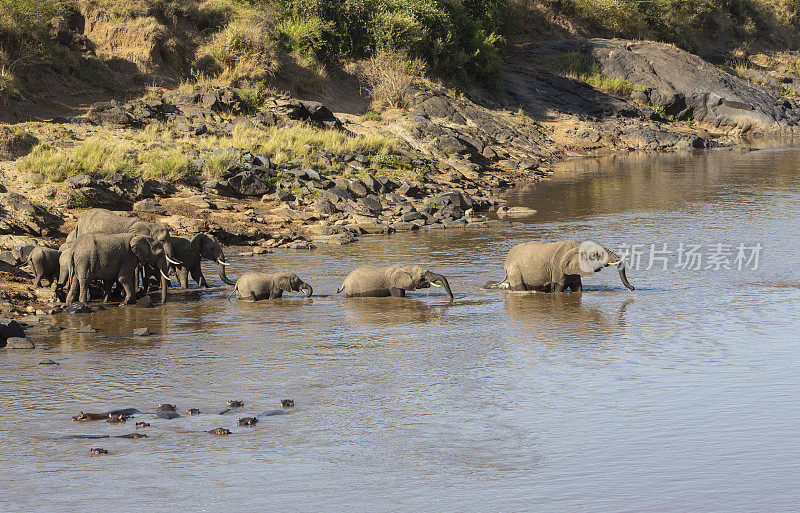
x,y
618,262
164,275
436,284
173,262
222,262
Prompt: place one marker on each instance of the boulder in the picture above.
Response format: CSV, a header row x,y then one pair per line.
x,y
19,343
150,205
324,206
248,184
141,332
337,194
11,330
78,181
78,307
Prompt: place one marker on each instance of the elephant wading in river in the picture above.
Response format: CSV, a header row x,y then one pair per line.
x,y
111,258
191,252
393,280
557,266
255,286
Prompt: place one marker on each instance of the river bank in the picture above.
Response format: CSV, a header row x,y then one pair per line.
x,y
297,174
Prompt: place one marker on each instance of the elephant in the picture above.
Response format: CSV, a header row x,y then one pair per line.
x,y
65,266
114,257
22,253
393,280
556,266
100,220
191,252
44,263
256,286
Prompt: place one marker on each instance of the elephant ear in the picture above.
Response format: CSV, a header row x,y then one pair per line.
x,y
284,282
142,248
571,263
402,279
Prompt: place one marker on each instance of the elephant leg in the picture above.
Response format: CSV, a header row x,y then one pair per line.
x,y
37,279
127,285
183,277
253,296
72,295
108,286
197,276
83,288
575,284
397,292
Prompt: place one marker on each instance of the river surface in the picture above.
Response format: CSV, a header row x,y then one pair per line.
x,y
683,395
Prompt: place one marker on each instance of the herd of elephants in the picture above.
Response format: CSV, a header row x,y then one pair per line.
x,y
122,254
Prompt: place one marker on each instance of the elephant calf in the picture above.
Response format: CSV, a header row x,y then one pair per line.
x,y
44,264
256,286
393,280
557,266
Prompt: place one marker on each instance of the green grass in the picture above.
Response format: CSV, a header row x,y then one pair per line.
x,y
96,159
576,66
167,165
217,163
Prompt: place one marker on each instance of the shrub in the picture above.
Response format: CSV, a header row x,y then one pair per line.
x,y
390,77
52,162
97,159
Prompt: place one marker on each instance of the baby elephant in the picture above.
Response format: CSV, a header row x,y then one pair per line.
x,y
255,286
393,280
44,264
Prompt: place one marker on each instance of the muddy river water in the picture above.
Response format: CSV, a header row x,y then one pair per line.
x,y
683,395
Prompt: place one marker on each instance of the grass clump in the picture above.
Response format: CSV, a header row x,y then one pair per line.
x,y
167,165
575,66
218,163
97,159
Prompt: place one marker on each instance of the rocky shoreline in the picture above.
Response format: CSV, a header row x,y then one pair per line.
x,y
442,162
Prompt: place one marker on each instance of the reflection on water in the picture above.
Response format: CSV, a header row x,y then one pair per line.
x,y
680,396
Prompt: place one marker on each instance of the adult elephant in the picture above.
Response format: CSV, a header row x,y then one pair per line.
x,y
191,252
392,280
114,257
556,266
100,220
255,286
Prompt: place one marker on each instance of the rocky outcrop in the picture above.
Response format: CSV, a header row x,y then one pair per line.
x,y
684,87
19,216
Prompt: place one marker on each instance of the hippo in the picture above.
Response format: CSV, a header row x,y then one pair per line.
x,y
235,404
132,435
141,425
287,403
248,421
115,419
98,450
167,411
220,431
192,411
84,417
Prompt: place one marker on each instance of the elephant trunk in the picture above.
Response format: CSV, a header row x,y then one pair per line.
x,y
438,278
307,288
222,276
164,285
621,268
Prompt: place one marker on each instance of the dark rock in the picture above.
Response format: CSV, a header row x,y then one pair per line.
x,y
11,330
78,181
202,129
78,307
408,189
358,188
150,205
148,188
144,302
324,206
337,194
48,361
371,204
247,184
141,332
412,216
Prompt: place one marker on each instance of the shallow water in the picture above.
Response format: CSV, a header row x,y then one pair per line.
x,y
679,396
